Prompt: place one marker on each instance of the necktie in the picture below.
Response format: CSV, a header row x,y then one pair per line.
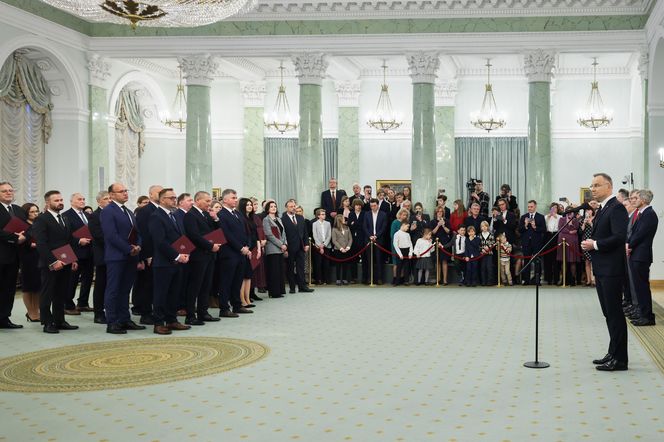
x,y
126,211
61,221
175,223
334,198
83,218
635,217
10,209
294,220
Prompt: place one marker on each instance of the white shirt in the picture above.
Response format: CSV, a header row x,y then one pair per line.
x,y
460,242
374,216
402,241
55,215
552,223
421,246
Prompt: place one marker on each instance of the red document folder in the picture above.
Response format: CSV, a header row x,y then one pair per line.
x,y
16,225
216,237
183,245
65,254
275,232
253,259
81,233
133,237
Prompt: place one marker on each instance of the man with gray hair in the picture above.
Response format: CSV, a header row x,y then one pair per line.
x,y
639,250
83,250
94,224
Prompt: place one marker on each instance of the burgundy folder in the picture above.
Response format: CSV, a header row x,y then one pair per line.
x,y
275,232
253,259
83,232
16,225
65,254
183,245
133,237
216,237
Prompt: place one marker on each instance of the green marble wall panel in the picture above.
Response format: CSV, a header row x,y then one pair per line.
x,y
349,148
538,172
254,153
310,177
423,165
198,165
98,141
337,27
445,156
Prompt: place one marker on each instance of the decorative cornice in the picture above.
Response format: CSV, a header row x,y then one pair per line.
x,y
643,63
99,69
310,67
539,65
254,94
348,93
445,93
423,66
199,70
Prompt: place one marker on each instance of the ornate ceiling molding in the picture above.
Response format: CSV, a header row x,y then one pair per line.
x,y
99,69
330,10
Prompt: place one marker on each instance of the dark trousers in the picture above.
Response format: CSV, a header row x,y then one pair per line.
x,y
403,268
274,274
628,296
609,291
53,293
120,277
460,269
641,278
99,290
472,272
8,274
343,269
141,297
232,274
321,265
167,286
487,270
184,282
551,265
84,274
198,287
295,269
377,264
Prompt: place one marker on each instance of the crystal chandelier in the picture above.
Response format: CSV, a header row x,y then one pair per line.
x,y
180,107
488,118
166,13
384,118
281,119
595,114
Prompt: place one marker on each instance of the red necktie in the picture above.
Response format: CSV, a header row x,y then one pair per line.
x,y
635,217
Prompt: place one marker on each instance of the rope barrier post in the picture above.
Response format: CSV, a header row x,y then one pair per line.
x,y
371,260
565,247
437,264
311,267
499,263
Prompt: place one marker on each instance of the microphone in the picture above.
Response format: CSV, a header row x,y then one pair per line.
x,y
584,206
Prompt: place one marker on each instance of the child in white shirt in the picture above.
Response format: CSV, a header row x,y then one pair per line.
x,y
404,248
422,252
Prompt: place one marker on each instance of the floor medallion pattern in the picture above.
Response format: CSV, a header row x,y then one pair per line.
x,y
127,363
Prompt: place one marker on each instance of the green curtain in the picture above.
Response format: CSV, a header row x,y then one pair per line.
x,y
128,112
21,81
281,167
494,160
330,159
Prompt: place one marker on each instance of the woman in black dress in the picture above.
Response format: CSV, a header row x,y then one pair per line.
x,y
30,275
246,208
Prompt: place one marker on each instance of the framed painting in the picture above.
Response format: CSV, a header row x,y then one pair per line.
x,y
216,193
585,195
396,185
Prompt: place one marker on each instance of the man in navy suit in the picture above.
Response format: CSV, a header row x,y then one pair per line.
x,y
143,290
77,219
607,251
166,264
505,222
295,227
532,226
9,243
121,249
234,256
639,250
375,226
330,199
185,201
103,199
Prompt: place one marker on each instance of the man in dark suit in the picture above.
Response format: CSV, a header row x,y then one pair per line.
x,y
121,249
607,250
505,222
185,201
94,224
51,232
639,249
506,194
9,263
234,256
166,264
375,226
143,291
296,235
474,218
76,219
357,193
532,226
197,224
330,199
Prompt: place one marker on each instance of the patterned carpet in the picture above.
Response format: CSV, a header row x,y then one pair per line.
x,y
134,363
652,337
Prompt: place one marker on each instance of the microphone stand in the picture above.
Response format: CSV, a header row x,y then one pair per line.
x,y
537,263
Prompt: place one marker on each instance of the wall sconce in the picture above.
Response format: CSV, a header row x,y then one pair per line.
x,y
661,157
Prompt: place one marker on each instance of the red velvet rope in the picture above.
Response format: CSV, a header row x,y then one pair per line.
x,y
405,257
350,258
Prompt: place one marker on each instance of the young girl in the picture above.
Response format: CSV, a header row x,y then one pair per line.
x,y
422,251
322,234
505,271
404,249
487,243
472,251
342,240
441,231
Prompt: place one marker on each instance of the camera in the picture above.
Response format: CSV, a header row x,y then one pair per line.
x,y
471,184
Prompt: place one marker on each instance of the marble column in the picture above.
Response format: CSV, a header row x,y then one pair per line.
x,y
254,147
199,71
98,153
539,65
422,67
643,71
310,68
445,154
348,94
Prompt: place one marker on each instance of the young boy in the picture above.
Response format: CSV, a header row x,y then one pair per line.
x,y
505,248
472,251
458,246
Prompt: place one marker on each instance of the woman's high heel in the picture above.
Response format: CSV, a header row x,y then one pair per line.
x,y
27,316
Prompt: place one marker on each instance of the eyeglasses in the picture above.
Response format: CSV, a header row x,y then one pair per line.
x,y
7,191
595,186
121,191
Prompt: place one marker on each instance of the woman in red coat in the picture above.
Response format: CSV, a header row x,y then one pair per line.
x,y
458,215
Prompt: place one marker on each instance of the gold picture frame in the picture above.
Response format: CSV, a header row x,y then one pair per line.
x,y
585,195
396,185
216,193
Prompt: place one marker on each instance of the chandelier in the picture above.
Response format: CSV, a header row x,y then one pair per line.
x,y
488,118
166,13
384,118
595,114
281,119
180,107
